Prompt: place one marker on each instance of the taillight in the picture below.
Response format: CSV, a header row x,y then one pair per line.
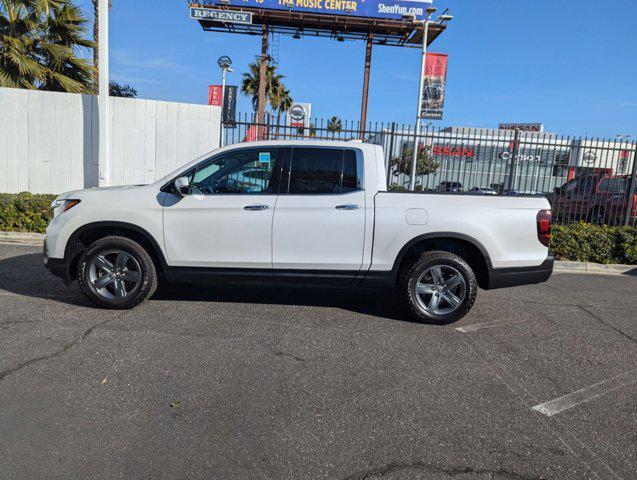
x,y
544,219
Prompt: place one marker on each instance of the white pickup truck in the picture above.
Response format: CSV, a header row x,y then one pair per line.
x,y
301,212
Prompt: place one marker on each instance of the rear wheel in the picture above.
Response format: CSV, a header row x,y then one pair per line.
x,y
439,287
116,272
597,216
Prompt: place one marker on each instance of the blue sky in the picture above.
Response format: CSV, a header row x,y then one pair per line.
x,y
570,64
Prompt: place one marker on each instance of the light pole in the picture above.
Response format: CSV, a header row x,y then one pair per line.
x,y
103,159
224,63
421,86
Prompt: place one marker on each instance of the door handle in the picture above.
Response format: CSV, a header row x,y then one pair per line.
x,y
350,206
256,207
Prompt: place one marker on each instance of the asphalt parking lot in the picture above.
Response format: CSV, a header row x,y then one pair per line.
x,y
291,383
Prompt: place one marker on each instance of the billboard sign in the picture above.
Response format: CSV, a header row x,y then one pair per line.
x,y
224,16
386,9
433,94
229,110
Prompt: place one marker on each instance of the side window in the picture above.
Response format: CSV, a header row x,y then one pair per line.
x,y
584,186
238,172
614,185
324,171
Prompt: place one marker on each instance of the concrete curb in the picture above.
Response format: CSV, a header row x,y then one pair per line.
x,y
596,268
22,237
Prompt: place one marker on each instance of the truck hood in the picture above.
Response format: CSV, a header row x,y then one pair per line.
x,y
96,190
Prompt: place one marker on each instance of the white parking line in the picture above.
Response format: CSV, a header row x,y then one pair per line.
x,y
480,326
587,394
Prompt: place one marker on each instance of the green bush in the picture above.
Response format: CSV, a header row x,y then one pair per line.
x,y
585,242
25,212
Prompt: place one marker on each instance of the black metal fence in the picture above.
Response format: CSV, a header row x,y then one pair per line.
x,y
585,179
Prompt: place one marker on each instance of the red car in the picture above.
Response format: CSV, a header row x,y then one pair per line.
x,y
599,198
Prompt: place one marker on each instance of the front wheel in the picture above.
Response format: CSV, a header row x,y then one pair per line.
x,y
439,287
116,272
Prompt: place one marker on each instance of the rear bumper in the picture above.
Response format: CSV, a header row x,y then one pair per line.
x,y
511,277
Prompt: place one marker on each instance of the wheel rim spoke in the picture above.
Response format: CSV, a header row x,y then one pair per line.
x,y
121,260
120,289
424,288
453,282
103,281
436,274
434,303
130,276
103,263
451,299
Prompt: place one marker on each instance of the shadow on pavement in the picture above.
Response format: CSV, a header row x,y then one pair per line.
x,y
26,275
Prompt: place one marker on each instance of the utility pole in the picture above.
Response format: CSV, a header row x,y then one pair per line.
x,y
368,64
224,63
103,97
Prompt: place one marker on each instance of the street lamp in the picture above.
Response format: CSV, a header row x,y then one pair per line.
x,y
224,63
442,18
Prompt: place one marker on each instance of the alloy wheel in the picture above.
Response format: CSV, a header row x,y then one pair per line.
x,y
440,290
114,274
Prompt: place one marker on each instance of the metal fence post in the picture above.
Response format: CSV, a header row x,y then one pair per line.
x,y
389,153
514,155
631,188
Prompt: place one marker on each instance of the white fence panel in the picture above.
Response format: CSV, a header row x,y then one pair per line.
x,y
49,140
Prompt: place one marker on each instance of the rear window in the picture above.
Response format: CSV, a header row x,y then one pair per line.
x,y
324,171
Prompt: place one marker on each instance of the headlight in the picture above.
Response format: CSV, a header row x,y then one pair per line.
x,y
61,206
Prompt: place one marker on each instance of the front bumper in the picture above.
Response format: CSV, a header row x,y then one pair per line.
x,y
511,277
57,266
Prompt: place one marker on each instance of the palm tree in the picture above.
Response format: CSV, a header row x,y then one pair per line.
x,y
19,65
39,43
281,101
273,85
64,30
334,124
96,43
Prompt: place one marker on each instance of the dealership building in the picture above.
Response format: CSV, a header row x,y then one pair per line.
x,y
519,157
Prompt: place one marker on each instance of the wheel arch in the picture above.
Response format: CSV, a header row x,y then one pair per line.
x,y
85,235
465,246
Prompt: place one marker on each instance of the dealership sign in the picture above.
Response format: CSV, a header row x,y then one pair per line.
x,y
395,9
522,127
225,16
299,115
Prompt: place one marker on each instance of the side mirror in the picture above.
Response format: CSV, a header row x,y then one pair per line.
x,y
182,185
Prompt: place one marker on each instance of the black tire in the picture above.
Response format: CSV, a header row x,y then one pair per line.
x,y
147,277
427,260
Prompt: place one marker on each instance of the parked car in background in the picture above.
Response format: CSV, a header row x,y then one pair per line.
x,y
600,198
533,193
300,212
483,190
449,187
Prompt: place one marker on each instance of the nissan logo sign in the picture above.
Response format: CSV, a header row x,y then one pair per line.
x,y
590,157
297,112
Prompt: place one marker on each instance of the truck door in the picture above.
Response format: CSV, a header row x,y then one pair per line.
x,y
319,219
226,221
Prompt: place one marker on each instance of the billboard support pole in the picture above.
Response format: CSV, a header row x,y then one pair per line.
x,y
368,64
423,62
262,78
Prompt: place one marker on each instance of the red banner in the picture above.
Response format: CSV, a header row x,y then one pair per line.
x,y
433,95
214,95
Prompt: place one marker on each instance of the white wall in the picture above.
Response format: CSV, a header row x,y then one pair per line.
x,y
49,141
